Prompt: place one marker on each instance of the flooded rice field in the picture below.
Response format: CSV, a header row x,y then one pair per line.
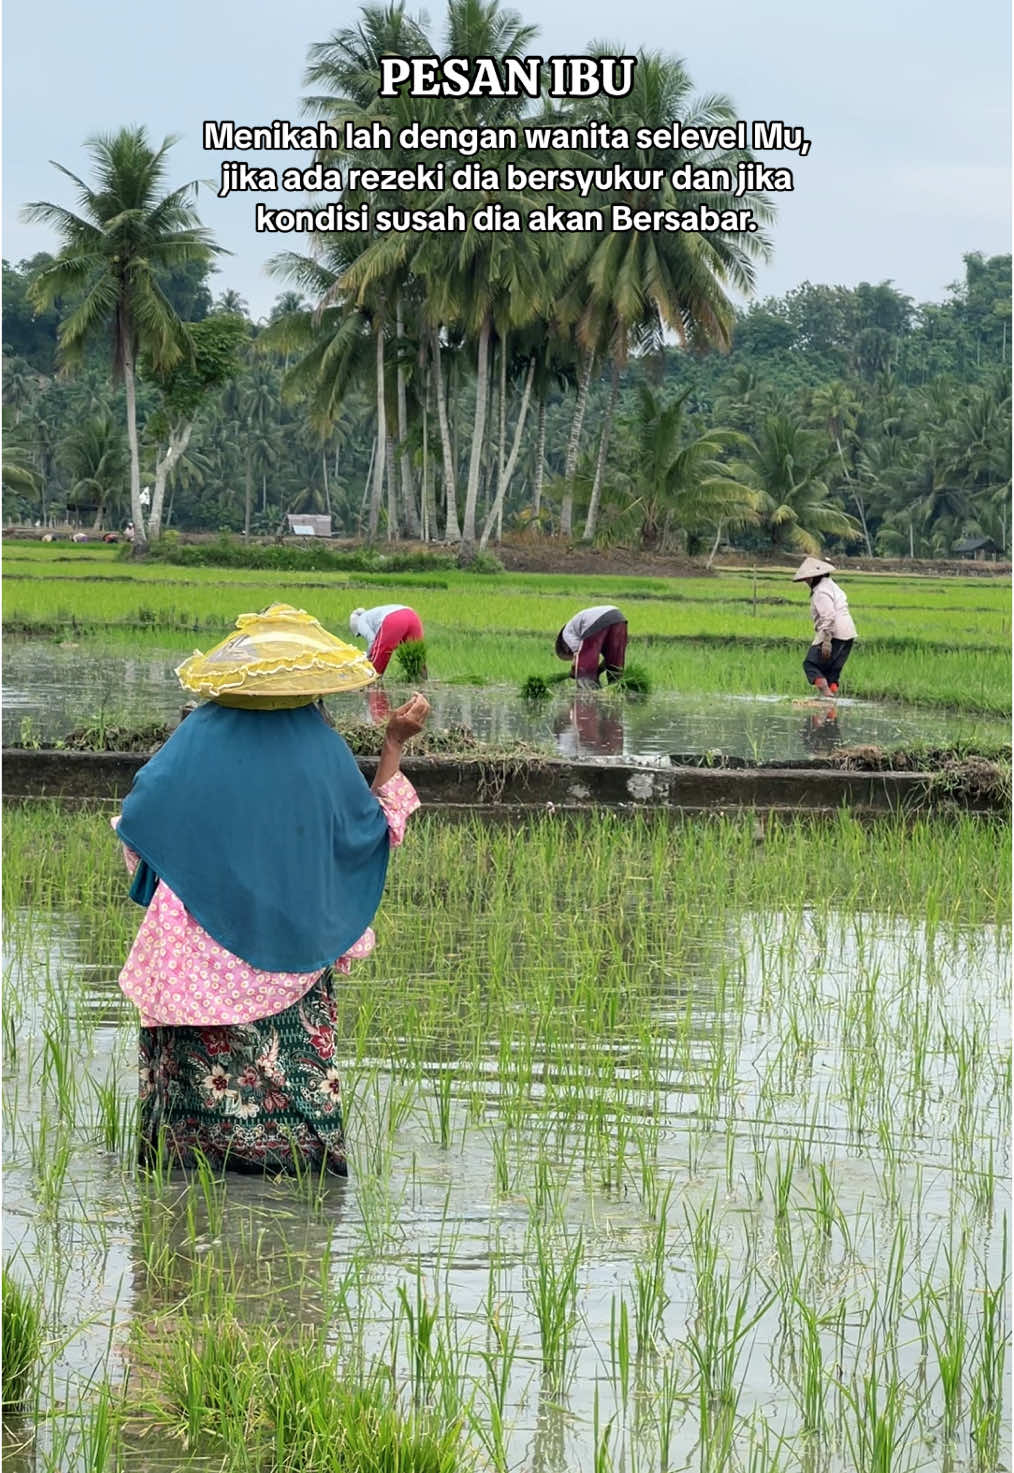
x,y
671,1146
50,690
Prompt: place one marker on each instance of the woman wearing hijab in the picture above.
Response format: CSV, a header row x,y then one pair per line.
x,y
384,629
261,855
595,640
833,628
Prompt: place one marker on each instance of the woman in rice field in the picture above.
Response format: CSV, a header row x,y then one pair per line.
x,y
384,629
833,629
595,641
261,855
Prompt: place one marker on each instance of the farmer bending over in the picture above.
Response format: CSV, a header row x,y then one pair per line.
x,y
833,629
595,640
384,629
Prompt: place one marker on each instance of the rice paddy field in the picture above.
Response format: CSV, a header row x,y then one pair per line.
x,y
674,1144
929,642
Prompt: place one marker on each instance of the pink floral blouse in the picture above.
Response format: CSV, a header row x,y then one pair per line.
x,y
180,978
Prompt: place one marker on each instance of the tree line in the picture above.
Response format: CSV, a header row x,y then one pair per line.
x,y
446,387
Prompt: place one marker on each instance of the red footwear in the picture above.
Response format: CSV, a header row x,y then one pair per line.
x,y
833,688
820,685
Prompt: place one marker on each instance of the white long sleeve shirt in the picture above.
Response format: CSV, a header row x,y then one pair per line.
x,y
370,620
577,628
830,610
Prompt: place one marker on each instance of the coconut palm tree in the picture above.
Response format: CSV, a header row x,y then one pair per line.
x,y
652,283
680,479
20,477
836,409
787,464
92,455
230,304
127,232
476,282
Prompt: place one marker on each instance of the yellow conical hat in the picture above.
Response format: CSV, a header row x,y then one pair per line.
x,y
281,657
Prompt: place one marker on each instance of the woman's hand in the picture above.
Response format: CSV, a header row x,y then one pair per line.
x,y
408,720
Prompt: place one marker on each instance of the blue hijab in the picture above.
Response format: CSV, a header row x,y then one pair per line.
x,y
263,825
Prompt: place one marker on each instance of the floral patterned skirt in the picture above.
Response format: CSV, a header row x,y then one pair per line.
x,y
253,1097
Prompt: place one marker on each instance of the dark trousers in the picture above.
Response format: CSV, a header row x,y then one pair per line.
x,y
815,666
609,645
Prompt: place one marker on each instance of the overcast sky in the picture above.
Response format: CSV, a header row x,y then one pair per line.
x,y
906,102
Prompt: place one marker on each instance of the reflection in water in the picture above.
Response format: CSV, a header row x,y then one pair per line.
x,y
822,731
590,727
378,705
56,689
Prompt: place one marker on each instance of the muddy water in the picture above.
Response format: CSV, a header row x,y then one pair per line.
x,y
437,1212
50,690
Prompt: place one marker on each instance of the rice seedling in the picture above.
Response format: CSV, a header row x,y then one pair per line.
x,y
552,1291
651,1298
22,1324
411,660
608,999
634,680
690,629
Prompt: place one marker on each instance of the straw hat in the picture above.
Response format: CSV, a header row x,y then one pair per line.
x,y
812,567
282,657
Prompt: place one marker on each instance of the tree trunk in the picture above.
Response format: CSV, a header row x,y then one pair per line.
x,y
393,521
573,445
179,439
366,488
247,489
378,460
447,451
429,508
508,470
478,437
502,444
136,511
855,496
607,424
327,490
714,549
407,489
540,457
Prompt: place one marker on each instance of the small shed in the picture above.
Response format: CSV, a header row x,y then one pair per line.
x,y
981,549
304,525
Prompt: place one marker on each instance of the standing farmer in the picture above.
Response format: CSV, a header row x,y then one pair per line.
x,y
833,629
384,629
596,641
260,854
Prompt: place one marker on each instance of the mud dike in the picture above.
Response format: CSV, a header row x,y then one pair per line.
x,y
509,785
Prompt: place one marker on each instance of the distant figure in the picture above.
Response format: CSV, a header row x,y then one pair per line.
x,y
595,640
384,629
110,537
128,531
80,537
833,629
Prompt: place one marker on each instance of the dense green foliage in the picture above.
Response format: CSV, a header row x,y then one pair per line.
x,y
431,385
